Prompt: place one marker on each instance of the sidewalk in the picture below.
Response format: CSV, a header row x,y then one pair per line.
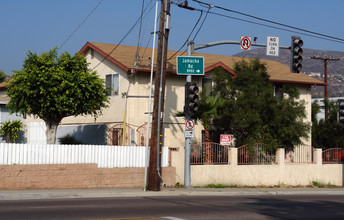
x,y
136,192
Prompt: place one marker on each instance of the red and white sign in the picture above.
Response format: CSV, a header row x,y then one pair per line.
x,y
190,124
245,43
225,139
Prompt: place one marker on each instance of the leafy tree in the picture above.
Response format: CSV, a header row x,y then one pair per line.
x,y
327,133
207,110
10,130
2,76
53,87
251,111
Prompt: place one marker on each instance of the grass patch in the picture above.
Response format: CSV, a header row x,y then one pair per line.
x,y
220,186
322,185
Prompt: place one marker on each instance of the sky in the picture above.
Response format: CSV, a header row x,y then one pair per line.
x,y
41,25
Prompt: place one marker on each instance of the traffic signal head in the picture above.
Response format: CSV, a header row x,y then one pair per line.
x,y
191,98
296,52
340,117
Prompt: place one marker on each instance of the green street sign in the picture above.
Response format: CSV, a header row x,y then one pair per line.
x,y
190,65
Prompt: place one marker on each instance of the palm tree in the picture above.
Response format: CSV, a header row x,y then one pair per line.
x,y
207,110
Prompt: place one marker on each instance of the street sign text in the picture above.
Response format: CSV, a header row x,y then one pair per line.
x,y
272,46
190,65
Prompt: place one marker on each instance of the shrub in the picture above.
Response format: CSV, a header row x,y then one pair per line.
x,y
10,130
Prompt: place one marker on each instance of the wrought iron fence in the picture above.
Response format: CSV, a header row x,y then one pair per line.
x,y
300,154
256,154
333,155
209,153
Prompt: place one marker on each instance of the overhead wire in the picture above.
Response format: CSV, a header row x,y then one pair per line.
x,y
77,28
270,26
123,38
200,27
194,27
273,22
142,31
139,36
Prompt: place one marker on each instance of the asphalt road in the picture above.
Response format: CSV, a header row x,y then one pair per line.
x,y
179,207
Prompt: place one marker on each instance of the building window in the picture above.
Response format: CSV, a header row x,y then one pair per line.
x,y
92,54
279,90
112,84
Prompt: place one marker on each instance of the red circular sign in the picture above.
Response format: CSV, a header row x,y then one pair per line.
x,y
190,124
245,43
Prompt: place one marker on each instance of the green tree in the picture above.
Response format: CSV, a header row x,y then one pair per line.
x,y
207,110
327,133
2,76
53,87
253,113
10,130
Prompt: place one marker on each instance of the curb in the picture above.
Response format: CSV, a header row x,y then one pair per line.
x,y
118,193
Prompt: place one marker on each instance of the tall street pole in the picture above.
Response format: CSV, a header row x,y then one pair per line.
x,y
150,97
325,59
187,167
154,174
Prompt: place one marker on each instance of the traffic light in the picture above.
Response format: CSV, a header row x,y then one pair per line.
x,y
340,111
296,52
191,98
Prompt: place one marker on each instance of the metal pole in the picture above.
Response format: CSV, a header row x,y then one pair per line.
x,y
187,167
150,97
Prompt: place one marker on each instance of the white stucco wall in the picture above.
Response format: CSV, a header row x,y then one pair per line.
x,y
293,174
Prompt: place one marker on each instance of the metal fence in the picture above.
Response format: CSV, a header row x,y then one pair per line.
x,y
256,154
333,155
103,155
209,153
300,154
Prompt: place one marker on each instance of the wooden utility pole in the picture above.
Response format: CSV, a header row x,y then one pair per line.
x,y
325,59
154,174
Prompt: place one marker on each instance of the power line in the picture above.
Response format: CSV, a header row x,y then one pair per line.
x,y
77,28
273,22
194,27
200,27
149,38
278,28
123,38
139,37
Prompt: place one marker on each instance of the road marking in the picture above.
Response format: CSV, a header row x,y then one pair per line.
x,y
173,218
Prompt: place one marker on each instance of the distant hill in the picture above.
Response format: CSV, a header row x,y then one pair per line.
x,y
312,67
